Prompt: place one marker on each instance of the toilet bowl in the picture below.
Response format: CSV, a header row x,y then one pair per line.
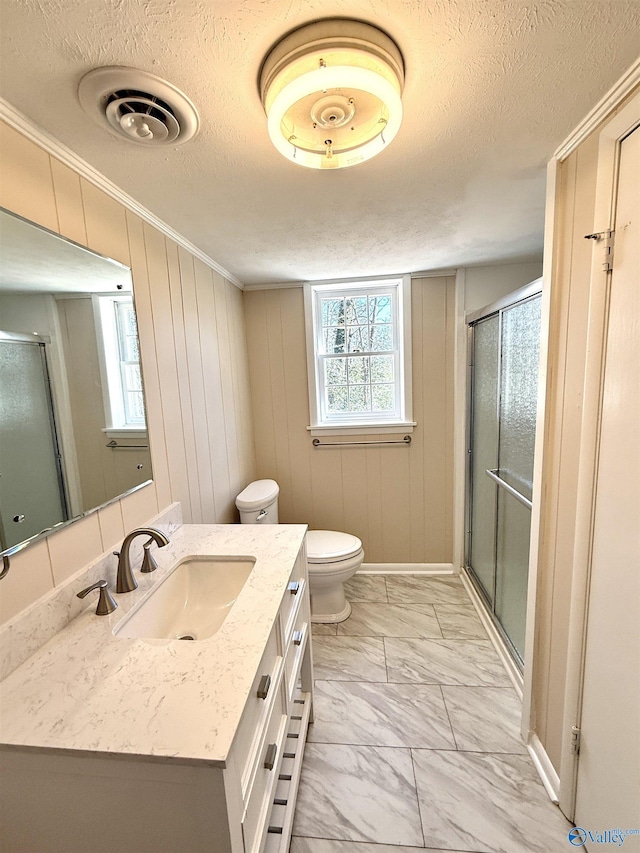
x,y
332,557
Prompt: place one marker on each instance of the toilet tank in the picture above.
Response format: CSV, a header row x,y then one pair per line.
x,y
258,503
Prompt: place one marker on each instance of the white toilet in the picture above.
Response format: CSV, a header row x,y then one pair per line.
x,y
332,557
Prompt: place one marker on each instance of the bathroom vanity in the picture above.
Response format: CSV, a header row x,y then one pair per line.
x,y
132,744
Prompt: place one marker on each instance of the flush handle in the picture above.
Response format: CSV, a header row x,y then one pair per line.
x,y
270,757
262,515
263,687
297,638
294,587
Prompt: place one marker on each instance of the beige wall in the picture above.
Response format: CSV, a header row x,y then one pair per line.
x,y
193,346
575,201
398,500
484,285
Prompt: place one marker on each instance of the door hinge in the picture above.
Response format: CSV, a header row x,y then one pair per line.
x,y
575,740
608,238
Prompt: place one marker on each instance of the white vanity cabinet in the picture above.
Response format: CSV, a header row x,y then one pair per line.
x,y
77,801
267,750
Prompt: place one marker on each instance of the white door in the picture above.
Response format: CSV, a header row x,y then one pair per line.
x,y
608,786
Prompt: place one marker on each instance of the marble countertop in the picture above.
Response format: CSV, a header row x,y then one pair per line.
x,y
89,691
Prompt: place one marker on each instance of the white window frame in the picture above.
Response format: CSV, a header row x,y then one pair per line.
x,y
112,365
348,423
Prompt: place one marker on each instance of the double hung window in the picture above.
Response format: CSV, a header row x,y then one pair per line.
x,y
358,341
120,362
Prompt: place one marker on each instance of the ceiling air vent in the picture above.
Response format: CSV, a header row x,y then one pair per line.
x,y
138,106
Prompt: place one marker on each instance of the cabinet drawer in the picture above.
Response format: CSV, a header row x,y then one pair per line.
x,y
255,713
295,651
254,823
293,598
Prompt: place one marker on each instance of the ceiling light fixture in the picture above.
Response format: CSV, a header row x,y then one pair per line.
x,y
332,93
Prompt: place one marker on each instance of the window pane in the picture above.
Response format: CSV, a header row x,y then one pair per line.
x,y
337,399
335,371
358,371
132,349
334,340
382,368
132,377
359,398
332,312
379,309
136,406
357,339
382,338
356,310
382,396
357,332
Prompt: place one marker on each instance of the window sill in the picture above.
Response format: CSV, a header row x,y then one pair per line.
x,y
386,428
125,432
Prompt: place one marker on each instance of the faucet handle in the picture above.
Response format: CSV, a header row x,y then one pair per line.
x,y
148,561
106,603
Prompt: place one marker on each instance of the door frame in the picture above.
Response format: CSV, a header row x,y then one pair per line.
x,y
610,140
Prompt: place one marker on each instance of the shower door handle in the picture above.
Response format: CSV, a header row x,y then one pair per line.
x,y
492,474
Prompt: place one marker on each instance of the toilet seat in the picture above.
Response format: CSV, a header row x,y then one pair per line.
x,y
330,546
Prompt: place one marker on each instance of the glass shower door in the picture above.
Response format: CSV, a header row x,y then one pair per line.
x,y
31,492
505,347
485,434
518,401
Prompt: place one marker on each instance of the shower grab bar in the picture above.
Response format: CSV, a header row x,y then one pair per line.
x,y
317,443
504,485
115,446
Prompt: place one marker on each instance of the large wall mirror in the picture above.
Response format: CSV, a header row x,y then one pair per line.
x,y
73,433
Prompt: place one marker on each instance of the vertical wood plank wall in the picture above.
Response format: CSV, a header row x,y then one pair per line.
x,y
193,347
398,500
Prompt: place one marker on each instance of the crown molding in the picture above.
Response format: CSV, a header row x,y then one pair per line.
x,y
624,86
288,285
14,118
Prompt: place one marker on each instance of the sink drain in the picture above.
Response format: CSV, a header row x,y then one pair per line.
x,y
185,637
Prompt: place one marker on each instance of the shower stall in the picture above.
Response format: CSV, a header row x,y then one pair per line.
x,y
504,347
32,494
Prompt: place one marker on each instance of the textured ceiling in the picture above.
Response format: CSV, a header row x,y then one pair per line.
x,y
492,88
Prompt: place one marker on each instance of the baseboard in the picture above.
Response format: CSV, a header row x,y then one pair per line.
x,y
406,569
494,635
545,768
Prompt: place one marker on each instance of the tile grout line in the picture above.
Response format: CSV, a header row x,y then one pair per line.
x,y
446,710
415,788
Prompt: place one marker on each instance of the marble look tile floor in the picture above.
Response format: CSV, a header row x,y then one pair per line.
x,y
416,744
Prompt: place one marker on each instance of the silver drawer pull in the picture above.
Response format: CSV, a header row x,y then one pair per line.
x,y
297,638
270,757
263,687
294,587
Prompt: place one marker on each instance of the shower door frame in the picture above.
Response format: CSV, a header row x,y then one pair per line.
x,y
530,291
41,342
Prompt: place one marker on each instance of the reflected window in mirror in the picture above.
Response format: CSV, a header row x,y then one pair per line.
x,y
120,362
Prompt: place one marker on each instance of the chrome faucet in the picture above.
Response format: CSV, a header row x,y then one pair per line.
x,y
126,581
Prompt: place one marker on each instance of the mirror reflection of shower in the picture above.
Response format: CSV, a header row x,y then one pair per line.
x,y
73,431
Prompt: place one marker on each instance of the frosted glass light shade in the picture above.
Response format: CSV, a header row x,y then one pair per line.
x,y
332,93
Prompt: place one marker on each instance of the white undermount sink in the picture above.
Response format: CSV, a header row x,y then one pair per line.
x,y
192,602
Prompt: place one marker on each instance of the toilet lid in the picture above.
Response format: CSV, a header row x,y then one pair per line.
x,y
324,546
